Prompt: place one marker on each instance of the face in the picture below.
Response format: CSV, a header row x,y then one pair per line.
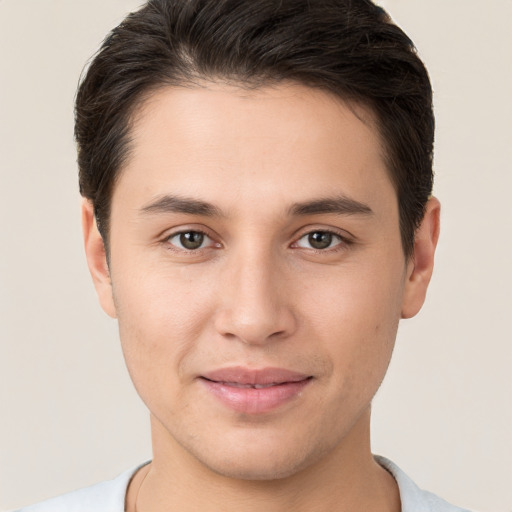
x,y
257,274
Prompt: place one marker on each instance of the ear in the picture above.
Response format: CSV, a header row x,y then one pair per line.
x,y
97,259
421,263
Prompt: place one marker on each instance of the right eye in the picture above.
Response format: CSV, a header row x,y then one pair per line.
x,y
190,240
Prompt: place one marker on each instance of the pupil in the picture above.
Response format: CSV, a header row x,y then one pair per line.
x,y
191,240
320,239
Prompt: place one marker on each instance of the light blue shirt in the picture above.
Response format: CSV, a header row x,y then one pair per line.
x,y
110,496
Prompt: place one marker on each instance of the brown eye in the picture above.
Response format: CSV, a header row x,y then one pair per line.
x,y
319,240
189,240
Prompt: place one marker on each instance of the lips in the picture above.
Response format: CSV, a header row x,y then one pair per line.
x,y
255,391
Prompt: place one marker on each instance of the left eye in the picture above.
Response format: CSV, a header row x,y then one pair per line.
x,y
319,240
190,240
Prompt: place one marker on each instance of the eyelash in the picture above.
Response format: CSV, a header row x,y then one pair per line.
x,y
343,243
171,246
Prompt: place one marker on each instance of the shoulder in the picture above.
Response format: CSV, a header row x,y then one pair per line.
x,y
413,498
108,496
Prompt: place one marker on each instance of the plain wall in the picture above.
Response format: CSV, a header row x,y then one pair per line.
x,y
68,414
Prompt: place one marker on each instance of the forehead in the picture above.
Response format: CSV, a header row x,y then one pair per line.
x,y
222,106
287,140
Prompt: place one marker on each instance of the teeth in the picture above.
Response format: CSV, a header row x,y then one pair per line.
x,y
248,386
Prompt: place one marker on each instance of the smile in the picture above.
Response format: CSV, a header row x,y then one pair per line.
x,y
255,391
249,386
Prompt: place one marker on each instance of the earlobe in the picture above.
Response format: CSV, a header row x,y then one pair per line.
x,y
97,259
421,264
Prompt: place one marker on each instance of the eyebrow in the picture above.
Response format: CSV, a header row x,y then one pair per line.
x,y
175,204
340,205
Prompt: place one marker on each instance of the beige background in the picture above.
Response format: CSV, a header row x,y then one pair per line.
x,y
68,414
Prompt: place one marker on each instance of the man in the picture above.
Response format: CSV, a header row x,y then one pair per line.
x,y
258,216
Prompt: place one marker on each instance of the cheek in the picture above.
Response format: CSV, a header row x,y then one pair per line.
x,y
357,319
161,315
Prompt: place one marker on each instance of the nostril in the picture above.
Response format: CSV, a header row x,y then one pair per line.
x,y
256,326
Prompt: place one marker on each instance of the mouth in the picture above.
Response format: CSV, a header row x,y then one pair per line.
x,y
248,386
255,391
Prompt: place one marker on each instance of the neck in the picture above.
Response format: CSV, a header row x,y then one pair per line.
x,y
345,479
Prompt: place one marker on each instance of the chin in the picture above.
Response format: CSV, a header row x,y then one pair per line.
x,y
259,460
257,470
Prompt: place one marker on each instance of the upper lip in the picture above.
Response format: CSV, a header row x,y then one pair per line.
x,y
248,376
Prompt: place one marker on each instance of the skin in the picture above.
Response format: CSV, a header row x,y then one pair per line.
x,y
257,294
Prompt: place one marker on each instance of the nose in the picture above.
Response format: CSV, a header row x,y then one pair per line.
x,y
256,306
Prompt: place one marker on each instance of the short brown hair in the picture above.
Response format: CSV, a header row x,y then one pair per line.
x,y
347,47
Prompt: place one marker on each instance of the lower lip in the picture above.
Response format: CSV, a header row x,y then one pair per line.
x,y
255,401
